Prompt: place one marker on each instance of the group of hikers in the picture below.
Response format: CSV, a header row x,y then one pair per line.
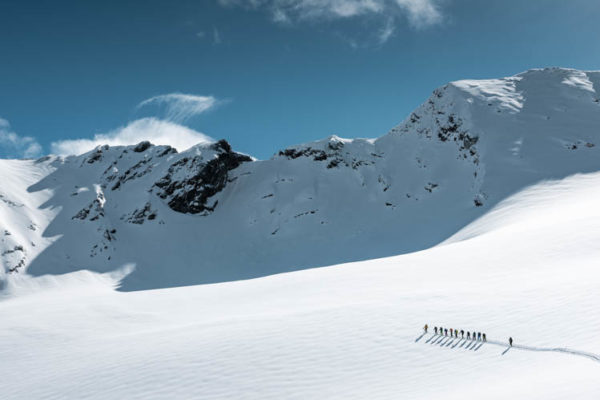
x,y
454,333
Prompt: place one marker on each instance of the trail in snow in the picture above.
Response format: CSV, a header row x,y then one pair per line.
x,y
452,342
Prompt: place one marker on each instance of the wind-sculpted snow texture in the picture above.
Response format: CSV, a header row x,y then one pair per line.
x,y
209,214
527,269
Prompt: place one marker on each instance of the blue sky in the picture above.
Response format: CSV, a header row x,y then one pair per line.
x,y
263,74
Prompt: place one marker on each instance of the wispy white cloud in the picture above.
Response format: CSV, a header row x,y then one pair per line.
x,y
163,128
154,130
419,13
179,107
13,145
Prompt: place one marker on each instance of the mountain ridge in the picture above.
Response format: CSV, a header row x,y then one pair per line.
x,y
210,214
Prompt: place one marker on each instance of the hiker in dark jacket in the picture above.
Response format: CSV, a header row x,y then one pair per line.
x,y
445,331
510,341
478,335
468,335
484,339
462,333
474,336
435,329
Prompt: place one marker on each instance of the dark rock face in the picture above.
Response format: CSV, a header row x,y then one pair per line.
x,y
141,168
96,155
447,127
333,154
334,148
291,154
142,146
95,210
190,195
139,216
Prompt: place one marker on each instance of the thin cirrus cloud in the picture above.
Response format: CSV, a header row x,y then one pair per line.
x,y
179,107
15,146
172,109
157,131
420,13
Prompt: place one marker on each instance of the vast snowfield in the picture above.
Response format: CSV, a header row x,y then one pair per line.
x,y
526,269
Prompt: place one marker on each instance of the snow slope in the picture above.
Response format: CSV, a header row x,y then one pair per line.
x,y
210,214
526,269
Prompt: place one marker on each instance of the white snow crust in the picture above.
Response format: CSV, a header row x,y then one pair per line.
x,y
528,269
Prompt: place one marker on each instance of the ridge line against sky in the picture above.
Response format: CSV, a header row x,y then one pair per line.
x,y
284,71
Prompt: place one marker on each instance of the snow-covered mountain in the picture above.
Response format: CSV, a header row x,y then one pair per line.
x,y
210,214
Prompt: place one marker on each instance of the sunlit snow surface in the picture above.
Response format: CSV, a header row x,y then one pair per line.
x,y
527,269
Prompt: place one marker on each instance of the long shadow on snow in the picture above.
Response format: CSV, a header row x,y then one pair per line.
x,y
476,345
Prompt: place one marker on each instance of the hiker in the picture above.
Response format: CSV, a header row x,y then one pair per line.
x,y
478,335
450,332
468,335
462,333
445,332
435,329
474,336
456,333
441,330
425,328
484,339
510,341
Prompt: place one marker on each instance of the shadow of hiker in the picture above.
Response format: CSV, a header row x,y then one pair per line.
x,y
456,344
431,338
420,337
505,351
478,347
449,342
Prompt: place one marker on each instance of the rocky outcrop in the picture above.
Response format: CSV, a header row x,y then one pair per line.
x,y
192,181
332,151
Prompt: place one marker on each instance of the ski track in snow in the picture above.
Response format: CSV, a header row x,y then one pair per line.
x,y
446,341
